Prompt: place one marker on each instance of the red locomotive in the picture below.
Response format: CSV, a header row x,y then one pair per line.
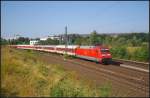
x,y
95,53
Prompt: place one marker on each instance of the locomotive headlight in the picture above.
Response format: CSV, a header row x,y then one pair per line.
x,y
108,54
103,54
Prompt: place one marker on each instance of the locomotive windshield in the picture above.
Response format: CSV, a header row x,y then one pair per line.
x,y
104,50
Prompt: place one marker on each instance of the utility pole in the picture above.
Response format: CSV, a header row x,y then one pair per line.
x,y
60,38
66,40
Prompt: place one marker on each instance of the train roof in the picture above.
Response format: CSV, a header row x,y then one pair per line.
x,y
68,46
86,47
46,45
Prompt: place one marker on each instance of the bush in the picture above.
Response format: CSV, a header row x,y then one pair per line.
x,y
66,88
141,54
119,52
105,90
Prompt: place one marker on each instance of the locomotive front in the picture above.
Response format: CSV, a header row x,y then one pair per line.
x,y
105,55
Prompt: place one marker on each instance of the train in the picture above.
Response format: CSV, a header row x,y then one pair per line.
x,y
99,54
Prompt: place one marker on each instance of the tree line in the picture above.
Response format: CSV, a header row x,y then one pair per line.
x,y
131,46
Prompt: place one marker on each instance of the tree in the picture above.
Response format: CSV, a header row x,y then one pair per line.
x,y
94,38
78,41
23,40
49,41
118,52
4,41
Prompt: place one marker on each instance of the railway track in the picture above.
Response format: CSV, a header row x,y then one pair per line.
x,y
132,81
133,64
135,80
135,83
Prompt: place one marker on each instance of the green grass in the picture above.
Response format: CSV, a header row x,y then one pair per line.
x,y
132,49
23,73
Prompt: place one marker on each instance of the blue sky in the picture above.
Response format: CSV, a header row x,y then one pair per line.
x,y
42,18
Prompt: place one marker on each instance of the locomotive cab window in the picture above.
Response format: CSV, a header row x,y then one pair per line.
x,y
104,50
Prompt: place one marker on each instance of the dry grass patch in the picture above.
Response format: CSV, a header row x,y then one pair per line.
x,y
24,74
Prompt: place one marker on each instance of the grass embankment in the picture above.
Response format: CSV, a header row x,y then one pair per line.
x,y
140,54
24,74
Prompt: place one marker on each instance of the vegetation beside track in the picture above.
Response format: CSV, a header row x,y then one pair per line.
x,y
140,54
23,73
128,46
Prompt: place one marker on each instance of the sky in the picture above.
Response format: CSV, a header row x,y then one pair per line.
x,y
42,18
